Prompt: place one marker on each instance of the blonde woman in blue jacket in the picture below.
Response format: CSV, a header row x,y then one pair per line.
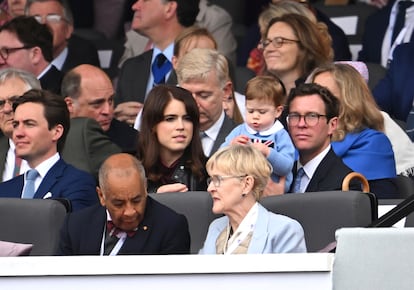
x,y
238,176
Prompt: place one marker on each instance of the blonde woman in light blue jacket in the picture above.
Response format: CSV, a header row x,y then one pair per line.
x,y
238,176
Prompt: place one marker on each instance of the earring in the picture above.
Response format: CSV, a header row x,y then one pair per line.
x,y
244,194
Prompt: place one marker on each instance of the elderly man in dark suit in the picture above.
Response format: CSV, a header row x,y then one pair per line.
x,y
40,125
205,73
69,50
128,221
313,116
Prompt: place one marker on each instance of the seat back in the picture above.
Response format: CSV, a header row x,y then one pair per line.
x,y
322,213
373,258
196,206
32,221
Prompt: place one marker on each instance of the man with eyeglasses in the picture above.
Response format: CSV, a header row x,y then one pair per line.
x,y
69,50
312,118
28,45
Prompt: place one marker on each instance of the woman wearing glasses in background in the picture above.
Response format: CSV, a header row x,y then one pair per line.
x,y
293,46
238,176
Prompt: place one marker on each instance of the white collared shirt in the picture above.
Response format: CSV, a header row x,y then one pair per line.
x,y
310,167
60,59
212,133
43,168
168,52
10,163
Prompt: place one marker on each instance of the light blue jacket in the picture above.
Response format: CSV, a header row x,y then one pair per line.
x,y
273,233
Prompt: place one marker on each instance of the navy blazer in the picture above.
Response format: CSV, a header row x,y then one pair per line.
x,y
52,80
61,181
162,231
329,174
134,76
395,92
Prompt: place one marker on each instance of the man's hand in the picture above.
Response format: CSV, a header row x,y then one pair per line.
x,y
127,112
174,187
275,188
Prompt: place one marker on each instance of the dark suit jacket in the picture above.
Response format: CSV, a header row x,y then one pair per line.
x,y
395,92
52,80
228,125
62,181
133,78
80,51
4,148
124,136
162,231
328,175
86,145
374,31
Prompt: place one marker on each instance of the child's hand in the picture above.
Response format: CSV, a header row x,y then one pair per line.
x,y
240,140
262,148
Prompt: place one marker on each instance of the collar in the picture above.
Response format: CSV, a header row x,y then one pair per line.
x,y
44,71
168,52
60,59
214,130
277,126
44,167
313,164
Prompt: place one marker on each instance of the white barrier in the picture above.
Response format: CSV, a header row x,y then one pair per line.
x,y
278,271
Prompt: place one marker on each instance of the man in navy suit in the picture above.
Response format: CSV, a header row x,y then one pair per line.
x,y
161,21
395,92
128,221
40,125
313,116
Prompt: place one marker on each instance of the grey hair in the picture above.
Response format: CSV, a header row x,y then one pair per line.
x,y
67,12
30,81
199,62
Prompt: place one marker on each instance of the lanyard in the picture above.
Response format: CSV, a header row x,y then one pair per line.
x,y
117,246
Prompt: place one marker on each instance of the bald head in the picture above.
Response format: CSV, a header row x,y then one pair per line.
x,y
122,190
89,92
120,165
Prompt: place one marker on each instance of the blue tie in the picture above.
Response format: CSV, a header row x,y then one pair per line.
x,y
400,20
29,188
160,67
298,179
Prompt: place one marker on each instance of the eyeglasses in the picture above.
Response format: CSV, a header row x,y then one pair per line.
x,y
10,100
217,179
50,18
276,42
5,51
311,119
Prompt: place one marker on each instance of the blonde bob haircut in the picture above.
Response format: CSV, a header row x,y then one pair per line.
x,y
240,160
358,108
198,63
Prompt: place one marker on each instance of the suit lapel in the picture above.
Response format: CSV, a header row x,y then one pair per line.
x,y
225,129
136,244
260,233
52,176
321,172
